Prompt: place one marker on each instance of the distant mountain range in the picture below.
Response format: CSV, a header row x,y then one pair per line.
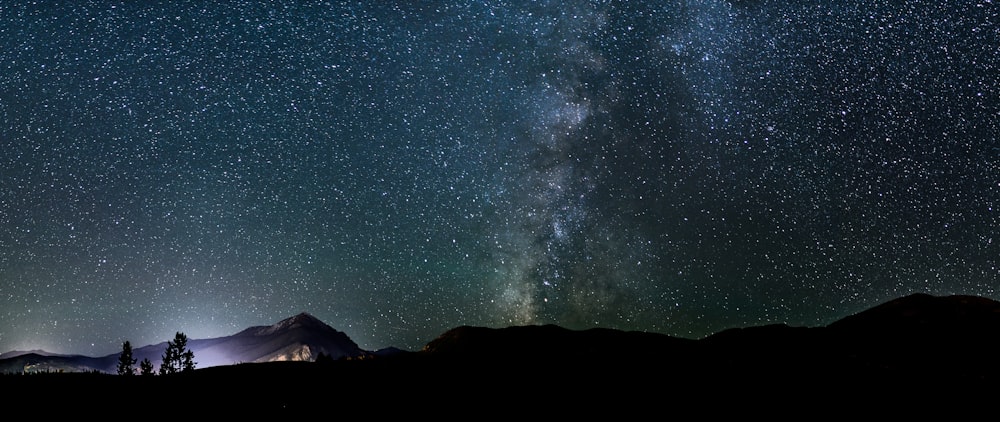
x,y
298,338
917,338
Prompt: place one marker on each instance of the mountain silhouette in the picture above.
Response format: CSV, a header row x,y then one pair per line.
x,y
901,345
16,353
920,312
552,345
955,338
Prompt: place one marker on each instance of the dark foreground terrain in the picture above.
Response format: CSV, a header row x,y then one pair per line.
x,y
912,353
624,386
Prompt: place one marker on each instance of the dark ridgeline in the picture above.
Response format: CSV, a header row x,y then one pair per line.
x,y
917,345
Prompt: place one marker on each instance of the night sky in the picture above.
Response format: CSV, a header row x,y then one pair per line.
x,y
399,168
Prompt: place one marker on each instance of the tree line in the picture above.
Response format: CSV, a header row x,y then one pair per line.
x,y
177,358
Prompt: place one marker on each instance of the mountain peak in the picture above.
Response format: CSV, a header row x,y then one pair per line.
x,y
302,319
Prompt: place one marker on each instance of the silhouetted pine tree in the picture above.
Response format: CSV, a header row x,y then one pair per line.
x,y
177,357
145,367
187,361
125,360
167,365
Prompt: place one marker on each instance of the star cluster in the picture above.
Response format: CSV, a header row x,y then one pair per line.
x,y
400,168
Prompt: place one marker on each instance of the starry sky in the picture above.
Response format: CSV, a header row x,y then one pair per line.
x,y
400,168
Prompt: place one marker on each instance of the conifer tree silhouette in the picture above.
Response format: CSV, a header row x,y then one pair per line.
x,y
125,360
145,367
177,357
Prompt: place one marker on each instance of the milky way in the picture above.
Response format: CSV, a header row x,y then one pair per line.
x,y
396,170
